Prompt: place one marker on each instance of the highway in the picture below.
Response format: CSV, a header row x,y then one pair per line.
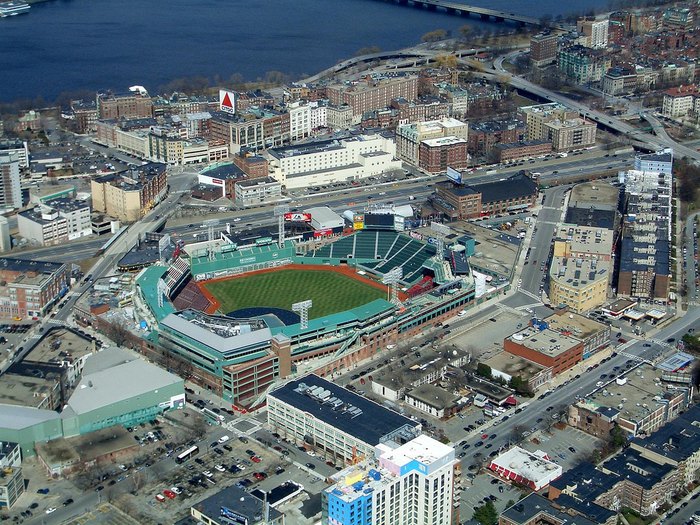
x,y
655,142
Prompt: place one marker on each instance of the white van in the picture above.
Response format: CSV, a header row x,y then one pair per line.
x,y
224,439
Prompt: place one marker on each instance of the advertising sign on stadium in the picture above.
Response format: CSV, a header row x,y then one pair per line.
x,y
263,241
323,233
227,101
358,222
297,217
454,175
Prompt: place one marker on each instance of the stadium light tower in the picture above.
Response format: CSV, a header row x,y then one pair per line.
x,y
302,308
391,279
209,224
161,290
280,210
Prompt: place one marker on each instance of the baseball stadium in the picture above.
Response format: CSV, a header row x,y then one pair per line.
x,y
240,313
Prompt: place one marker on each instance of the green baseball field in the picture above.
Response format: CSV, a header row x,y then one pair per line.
x,y
330,291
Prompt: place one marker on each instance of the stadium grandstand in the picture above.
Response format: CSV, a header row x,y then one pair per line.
x,y
239,352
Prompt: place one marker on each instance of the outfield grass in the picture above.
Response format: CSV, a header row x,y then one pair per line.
x,y
330,292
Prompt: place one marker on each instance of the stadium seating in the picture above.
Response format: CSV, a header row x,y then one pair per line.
x,y
175,274
191,297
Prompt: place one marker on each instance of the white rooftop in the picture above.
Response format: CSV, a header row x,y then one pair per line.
x,y
532,466
423,448
112,376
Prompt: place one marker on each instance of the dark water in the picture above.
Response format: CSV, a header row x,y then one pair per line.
x,y
69,45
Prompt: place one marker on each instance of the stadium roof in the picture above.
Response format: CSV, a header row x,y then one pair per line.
x,y
148,282
212,340
110,383
369,426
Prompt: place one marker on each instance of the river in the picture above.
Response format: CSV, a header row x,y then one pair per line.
x,y
71,45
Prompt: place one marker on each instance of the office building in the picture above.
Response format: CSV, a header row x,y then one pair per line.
x,y
329,161
255,191
10,189
543,49
372,94
55,221
130,194
412,484
30,288
549,348
338,424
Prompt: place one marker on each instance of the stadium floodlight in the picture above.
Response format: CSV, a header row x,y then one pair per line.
x,y
302,308
280,210
161,290
391,279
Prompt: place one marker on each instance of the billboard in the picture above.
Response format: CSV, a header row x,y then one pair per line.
x,y
358,222
454,175
323,233
227,101
297,217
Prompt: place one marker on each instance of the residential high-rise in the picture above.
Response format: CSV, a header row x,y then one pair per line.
x,y
413,484
10,190
595,31
543,49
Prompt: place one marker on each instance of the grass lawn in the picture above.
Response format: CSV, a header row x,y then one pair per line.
x,y
330,292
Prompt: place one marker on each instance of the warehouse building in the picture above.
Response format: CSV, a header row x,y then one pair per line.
x,y
117,388
340,425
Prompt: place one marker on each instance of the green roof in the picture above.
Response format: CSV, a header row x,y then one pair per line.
x,y
148,282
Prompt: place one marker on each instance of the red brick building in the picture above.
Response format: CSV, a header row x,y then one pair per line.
x,y
521,150
125,105
30,288
435,155
546,347
484,135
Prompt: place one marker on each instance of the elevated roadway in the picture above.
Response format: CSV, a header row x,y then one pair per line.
x,y
459,9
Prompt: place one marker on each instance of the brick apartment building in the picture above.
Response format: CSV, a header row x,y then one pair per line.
x,y
521,150
484,135
369,94
129,194
546,347
435,155
30,288
123,105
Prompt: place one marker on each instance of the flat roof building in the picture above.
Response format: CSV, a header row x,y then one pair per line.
x,y
340,424
549,348
234,505
30,288
533,469
639,402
